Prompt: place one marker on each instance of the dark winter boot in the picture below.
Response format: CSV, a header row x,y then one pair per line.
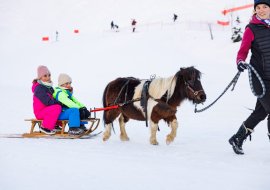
x,y
75,131
237,140
47,131
83,128
57,128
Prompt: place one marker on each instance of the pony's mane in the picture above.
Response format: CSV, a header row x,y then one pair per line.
x,y
159,86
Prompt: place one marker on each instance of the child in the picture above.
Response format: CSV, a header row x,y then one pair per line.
x,y
45,107
73,110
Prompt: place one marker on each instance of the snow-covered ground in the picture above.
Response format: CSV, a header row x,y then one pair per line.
x,y
199,158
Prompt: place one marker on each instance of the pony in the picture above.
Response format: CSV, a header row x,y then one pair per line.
x,y
166,94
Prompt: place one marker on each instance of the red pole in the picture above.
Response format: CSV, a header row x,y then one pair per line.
x,y
107,108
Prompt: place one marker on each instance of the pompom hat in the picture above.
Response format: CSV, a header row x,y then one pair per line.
x,y
41,71
63,78
257,2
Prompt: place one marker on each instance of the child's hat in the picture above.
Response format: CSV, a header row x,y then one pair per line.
x,y
41,71
63,78
257,2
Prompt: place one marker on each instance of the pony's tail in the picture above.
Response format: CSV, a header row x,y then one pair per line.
x,y
105,105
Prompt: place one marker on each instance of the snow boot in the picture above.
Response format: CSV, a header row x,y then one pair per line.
x,y
82,126
237,140
57,128
47,131
75,131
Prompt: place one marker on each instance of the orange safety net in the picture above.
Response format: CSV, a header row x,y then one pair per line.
x,y
45,39
76,31
237,9
223,23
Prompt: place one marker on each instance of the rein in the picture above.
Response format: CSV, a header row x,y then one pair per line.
x,y
234,81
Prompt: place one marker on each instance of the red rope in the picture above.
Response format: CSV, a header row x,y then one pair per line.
x,y
107,108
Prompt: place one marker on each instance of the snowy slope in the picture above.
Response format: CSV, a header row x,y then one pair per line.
x,y
199,158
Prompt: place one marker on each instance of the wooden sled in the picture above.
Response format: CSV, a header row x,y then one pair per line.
x,y
62,134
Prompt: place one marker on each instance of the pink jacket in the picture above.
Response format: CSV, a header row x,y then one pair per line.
x,y
37,104
247,40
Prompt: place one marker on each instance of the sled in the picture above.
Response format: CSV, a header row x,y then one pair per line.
x,y
62,134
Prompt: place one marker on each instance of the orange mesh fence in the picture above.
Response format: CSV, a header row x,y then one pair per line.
x,y
237,9
223,23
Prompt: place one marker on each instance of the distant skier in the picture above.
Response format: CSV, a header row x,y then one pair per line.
x,y
56,36
116,26
174,17
133,24
112,25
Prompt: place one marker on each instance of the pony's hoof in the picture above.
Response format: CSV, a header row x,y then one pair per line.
x,y
123,138
105,138
168,142
153,142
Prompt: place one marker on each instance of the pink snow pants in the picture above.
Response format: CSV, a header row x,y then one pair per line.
x,y
49,115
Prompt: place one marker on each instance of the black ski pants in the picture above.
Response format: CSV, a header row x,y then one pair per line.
x,y
262,108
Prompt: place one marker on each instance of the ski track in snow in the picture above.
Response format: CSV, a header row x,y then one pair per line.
x,y
199,158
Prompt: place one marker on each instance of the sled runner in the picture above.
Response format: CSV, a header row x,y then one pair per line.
x,y
62,134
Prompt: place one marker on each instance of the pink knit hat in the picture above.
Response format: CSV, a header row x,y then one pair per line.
x,y
42,70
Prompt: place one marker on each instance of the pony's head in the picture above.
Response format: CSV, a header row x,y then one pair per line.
x,y
193,87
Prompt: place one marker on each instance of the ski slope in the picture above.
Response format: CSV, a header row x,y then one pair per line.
x,y
199,158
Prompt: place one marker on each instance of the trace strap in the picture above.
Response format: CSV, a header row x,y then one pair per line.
x,y
234,81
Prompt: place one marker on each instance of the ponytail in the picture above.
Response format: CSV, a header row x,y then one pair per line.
x,y
35,81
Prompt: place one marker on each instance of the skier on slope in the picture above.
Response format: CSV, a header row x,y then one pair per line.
x,y
256,30
112,25
174,17
56,33
133,24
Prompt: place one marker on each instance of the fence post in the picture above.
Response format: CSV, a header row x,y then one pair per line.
x,y
209,24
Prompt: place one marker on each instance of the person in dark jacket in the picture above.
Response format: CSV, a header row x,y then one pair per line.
x,y
112,25
174,17
46,108
256,37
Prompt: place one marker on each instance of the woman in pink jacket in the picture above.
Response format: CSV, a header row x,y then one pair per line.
x,y
45,107
257,39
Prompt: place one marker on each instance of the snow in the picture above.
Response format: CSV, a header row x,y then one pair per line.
x,y
199,158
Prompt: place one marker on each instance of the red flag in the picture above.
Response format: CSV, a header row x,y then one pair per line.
x,y
76,31
223,23
45,39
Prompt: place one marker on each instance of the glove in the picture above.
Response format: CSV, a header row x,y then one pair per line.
x,y
240,66
82,113
87,113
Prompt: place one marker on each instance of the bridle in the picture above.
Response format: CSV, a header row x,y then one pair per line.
x,y
188,86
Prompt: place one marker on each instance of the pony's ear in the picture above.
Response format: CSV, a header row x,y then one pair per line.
x,y
184,72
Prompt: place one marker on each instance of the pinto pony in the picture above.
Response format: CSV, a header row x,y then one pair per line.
x,y
166,94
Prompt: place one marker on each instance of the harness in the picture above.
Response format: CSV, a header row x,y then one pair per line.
x,y
188,86
144,96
